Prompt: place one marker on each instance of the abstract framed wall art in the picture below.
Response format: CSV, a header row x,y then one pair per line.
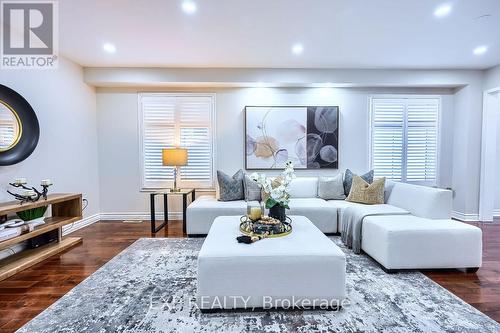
x,y
306,135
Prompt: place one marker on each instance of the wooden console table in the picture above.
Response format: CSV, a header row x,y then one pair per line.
x,y
66,209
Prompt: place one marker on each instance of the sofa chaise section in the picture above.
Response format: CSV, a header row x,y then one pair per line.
x,y
426,239
411,242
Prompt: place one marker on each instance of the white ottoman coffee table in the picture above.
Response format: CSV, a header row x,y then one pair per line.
x,y
302,270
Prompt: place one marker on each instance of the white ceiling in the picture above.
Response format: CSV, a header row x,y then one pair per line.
x,y
260,33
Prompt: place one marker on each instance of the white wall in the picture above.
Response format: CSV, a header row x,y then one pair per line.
x,y
119,146
463,163
67,150
497,179
467,149
492,81
71,115
108,174
71,122
492,78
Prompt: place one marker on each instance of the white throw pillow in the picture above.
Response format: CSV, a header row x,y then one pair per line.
x,y
331,188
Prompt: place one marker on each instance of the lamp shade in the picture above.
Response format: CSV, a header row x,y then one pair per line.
x,y
174,156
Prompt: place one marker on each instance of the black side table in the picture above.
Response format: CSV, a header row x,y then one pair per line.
x,y
184,193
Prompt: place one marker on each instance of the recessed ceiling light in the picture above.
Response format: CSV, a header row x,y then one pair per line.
x,y
108,47
480,50
297,49
189,7
443,10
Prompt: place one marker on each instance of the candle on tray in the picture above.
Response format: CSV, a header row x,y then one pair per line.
x,y
255,213
46,182
20,181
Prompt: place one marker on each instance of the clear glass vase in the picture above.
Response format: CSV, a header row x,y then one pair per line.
x,y
254,210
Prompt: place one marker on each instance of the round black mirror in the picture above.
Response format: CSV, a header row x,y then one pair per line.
x,y
19,128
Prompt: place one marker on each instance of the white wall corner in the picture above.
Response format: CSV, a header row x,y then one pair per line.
x,y
464,217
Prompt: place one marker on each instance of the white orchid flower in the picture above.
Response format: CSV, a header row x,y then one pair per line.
x,y
280,193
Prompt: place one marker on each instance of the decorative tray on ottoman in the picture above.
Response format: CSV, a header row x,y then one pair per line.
x,y
268,226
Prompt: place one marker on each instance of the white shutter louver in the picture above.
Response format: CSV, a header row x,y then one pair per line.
x,y
387,138
158,125
422,140
196,136
197,141
177,121
405,139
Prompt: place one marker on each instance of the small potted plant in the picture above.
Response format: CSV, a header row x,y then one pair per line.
x,y
276,196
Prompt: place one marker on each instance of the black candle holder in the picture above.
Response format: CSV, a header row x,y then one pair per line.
x,y
26,198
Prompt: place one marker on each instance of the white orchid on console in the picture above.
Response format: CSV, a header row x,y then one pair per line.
x,y
276,190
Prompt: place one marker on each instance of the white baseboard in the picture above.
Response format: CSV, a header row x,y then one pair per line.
x,y
139,216
116,217
67,229
464,217
471,217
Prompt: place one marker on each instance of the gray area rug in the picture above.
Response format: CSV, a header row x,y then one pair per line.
x,y
151,287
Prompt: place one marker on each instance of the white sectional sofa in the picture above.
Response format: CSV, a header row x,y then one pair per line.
x,y
425,237
304,201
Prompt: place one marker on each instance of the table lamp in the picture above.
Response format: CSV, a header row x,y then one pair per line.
x,y
175,157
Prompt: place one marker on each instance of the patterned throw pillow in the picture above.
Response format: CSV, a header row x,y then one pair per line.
x,y
368,177
230,188
331,188
370,194
252,189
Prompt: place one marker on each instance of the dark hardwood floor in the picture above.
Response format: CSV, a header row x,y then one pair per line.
x,y
29,292
481,289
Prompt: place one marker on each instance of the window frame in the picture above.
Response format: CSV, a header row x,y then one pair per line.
x,y
371,98
143,187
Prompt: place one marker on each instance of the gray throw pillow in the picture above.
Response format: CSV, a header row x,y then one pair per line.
x,y
349,175
252,189
331,188
230,188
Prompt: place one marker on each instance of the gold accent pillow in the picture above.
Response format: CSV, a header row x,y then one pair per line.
x,y
370,194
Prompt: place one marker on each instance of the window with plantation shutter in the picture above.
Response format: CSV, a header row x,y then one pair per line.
x,y
177,120
404,139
